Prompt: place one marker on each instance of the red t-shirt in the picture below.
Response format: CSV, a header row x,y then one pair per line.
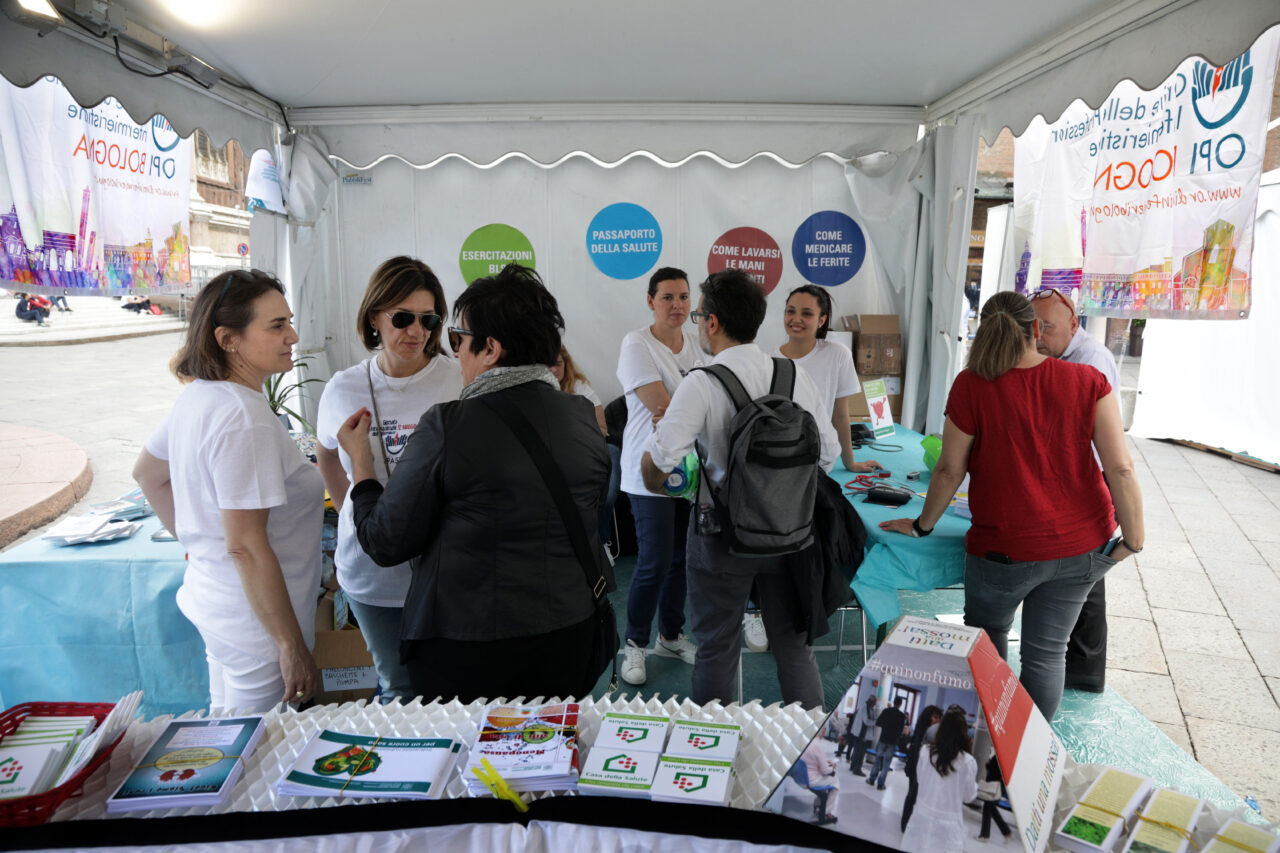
x,y
1035,490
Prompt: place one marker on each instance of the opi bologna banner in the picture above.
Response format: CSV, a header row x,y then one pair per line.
x,y
88,199
1145,206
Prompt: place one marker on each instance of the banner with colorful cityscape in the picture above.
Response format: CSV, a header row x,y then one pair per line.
x,y
88,198
1144,207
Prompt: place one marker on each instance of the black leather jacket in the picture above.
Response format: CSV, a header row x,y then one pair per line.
x,y
492,560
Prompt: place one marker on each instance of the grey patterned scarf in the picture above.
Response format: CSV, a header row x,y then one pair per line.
x,y
498,378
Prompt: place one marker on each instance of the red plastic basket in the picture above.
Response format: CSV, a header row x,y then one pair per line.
x,y
38,808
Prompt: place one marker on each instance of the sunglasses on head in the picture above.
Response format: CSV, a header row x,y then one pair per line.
x,y
1049,293
404,319
455,337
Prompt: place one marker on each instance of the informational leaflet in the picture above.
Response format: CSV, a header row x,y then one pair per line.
x,y
617,772
636,732
692,780
1098,820
878,405
29,769
1165,823
1236,835
338,764
706,741
191,763
532,747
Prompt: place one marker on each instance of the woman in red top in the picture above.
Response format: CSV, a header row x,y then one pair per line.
x,y
1023,426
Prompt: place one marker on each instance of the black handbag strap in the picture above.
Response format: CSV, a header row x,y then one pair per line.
x,y
538,451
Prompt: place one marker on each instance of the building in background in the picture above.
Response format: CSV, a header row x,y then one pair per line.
x,y
219,220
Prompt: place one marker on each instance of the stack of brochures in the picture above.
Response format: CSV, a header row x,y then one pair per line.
x,y
624,758
128,507
1236,835
46,751
532,747
89,528
337,764
698,764
191,763
1098,821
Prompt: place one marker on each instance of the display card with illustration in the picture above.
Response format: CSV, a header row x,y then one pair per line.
x,y
532,747
191,763
340,764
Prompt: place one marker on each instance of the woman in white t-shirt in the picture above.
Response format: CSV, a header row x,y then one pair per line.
x,y
948,778
399,320
574,381
224,475
807,320
651,364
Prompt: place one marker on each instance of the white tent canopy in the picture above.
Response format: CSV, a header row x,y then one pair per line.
x,y
421,82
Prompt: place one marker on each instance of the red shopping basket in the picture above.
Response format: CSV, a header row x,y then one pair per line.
x,y
38,808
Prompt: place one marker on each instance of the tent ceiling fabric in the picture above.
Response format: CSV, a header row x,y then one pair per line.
x,y
334,63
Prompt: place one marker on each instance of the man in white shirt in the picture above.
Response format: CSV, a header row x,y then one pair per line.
x,y
730,312
1061,337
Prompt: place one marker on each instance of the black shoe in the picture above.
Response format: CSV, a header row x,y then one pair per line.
x,y
1085,686
858,773
823,821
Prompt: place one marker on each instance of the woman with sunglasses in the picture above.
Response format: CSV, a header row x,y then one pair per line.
x,y
499,604
652,362
1024,427
399,321
224,475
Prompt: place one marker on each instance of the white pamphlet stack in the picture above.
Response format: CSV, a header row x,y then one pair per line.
x,y
624,758
698,764
337,764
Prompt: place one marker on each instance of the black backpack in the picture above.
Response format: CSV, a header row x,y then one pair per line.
x,y
765,501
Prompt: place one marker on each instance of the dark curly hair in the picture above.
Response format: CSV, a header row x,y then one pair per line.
x,y
514,308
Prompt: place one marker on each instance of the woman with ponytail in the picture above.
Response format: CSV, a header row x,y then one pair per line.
x,y
1023,427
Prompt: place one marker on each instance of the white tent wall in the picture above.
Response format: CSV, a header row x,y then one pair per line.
x,y
428,213
1214,382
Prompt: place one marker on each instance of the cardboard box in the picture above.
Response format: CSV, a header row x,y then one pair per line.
x,y
346,667
879,345
858,410
849,323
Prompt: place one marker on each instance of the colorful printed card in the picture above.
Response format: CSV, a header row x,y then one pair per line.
x,y
1098,820
637,732
1165,823
692,780
878,405
707,741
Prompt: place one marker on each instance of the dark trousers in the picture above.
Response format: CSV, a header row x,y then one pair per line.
x,y
859,752
909,804
990,812
659,583
551,664
1087,647
37,314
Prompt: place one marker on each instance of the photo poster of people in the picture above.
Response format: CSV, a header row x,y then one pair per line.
x,y
934,695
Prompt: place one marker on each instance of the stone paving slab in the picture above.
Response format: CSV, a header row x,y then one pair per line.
x,y
41,476
1226,748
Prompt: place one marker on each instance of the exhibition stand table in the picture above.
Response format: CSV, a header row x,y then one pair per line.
x,y
93,622
894,561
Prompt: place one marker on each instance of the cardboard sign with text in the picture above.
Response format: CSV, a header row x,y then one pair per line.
x,y
878,405
924,667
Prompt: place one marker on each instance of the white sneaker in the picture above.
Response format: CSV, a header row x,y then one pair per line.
x,y
680,647
753,631
633,664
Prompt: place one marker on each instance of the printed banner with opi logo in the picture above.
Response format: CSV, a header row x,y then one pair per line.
x,y
1145,206
88,198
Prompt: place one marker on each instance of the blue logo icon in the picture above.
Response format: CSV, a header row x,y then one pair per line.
x,y
828,248
624,241
163,134
1209,82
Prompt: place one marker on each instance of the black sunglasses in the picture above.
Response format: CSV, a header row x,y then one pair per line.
x,y
455,337
404,319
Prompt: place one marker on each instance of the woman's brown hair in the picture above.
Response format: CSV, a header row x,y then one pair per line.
x,y
394,281
572,375
1003,334
225,301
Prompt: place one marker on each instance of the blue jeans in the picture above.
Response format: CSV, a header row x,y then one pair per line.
x,y
662,525
881,765
1051,593
381,629
611,499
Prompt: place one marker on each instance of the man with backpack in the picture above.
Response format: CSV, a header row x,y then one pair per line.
x,y
763,441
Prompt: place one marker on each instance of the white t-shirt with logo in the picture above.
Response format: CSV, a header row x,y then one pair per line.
x,y
401,403
226,449
830,366
644,359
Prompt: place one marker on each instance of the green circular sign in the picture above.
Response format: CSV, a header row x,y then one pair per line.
x,y
490,248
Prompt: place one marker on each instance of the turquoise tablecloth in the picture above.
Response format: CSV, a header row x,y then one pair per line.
x,y
91,623
893,561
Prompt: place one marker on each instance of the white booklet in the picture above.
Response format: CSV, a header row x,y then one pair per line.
x,y
337,764
618,772
692,780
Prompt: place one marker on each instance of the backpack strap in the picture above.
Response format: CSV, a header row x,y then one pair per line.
x,y
731,384
784,378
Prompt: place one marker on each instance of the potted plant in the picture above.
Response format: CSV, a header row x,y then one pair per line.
x,y
278,393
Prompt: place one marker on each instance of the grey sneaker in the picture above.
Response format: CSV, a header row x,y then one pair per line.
x,y
753,632
633,664
680,647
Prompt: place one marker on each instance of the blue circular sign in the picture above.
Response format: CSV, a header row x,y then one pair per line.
x,y
828,248
624,241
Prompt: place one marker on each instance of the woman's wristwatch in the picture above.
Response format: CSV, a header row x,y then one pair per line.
x,y
918,531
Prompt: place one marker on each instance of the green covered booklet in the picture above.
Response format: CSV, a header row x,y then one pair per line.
x,y
338,764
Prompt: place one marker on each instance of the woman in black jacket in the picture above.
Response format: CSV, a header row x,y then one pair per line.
x,y
499,604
